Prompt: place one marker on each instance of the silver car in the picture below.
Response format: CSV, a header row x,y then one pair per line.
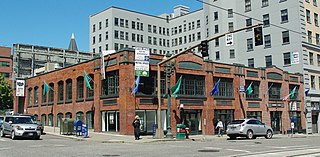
x,y
20,126
250,128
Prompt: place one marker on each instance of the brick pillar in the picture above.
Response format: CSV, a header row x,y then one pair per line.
x,y
127,101
97,92
208,108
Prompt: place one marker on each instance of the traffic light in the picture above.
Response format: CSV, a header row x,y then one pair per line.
x,y
204,48
258,36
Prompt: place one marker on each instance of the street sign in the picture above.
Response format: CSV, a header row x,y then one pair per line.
x,y
242,89
20,84
229,39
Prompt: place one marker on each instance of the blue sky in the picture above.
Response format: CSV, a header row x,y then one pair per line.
x,y
51,22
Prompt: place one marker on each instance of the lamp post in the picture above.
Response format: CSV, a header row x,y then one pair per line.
x,y
169,70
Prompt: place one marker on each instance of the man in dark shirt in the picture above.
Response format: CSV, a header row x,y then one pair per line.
x,y
136,126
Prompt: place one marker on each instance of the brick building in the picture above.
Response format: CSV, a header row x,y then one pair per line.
x,y
111,107
5,63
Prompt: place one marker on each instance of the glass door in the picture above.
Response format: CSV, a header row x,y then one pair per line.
x,y
276,122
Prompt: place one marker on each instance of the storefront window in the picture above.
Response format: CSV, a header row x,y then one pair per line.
x,y
192,85
254,114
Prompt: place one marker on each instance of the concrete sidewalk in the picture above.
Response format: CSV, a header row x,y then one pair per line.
x,y
107,137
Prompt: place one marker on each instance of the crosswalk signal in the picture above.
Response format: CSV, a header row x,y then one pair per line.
x,y
258,38
204,48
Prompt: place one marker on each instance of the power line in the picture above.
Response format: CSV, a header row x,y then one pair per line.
x,y
303,34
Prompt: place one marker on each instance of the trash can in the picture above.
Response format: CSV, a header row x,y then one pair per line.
x,y
181,131
67,126
77,127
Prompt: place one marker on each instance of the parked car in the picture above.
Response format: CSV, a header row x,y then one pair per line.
x,y
250,128
1,121
35,121
20,126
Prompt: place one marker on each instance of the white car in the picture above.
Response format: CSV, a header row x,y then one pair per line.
x,y
250,128
20,126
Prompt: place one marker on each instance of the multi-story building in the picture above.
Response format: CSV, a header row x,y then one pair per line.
x,y
290,36
6,63
109,104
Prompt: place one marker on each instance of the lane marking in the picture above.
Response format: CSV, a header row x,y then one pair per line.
x,y
2,140
238,150
4,148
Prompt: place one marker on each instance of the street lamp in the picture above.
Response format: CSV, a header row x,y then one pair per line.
x,y
169,70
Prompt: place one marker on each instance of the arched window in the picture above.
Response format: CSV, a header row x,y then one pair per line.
x,y
80,87
36,93
59,119
51,93
60,91
90,119
29,97
44,96
50,120
43,119
69,90
79,116
90,91
69,115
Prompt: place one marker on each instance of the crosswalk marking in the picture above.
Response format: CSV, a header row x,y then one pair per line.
x,y
3,140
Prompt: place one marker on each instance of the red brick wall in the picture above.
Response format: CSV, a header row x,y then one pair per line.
x,y
5,55
127,103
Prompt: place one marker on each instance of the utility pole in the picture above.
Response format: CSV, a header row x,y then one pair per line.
x,y
159,130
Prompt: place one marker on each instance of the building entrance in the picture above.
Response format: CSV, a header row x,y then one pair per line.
x,y
226,116
315,115
193,121
276,121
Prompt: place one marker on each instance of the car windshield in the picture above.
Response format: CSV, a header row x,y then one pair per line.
x,y
237,121
22,120
1,118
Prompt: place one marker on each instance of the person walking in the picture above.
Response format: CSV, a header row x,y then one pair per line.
x,y
219,127
136,126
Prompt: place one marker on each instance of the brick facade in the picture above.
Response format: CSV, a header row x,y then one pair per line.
x,y
206,106
5,56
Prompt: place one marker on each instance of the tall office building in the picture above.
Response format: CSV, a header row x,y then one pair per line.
x,y
290,38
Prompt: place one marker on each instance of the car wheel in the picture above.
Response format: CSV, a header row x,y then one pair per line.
x,y
13,136
232,137
269,134
250,134
2,133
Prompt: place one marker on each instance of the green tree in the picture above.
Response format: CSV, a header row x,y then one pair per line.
x,y
6,97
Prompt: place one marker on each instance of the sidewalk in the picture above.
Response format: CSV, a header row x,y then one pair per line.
x,y
106,137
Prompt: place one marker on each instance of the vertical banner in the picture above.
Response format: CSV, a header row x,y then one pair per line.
x,y
142,58
103,66
294,57
20,88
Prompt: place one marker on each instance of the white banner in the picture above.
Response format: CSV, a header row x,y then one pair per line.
x,y
293,106
295,58
103,66
142,58
20,84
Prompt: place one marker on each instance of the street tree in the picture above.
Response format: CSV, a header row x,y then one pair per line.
x,y
6,97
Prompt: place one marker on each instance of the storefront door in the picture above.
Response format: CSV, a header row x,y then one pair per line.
x,y
113,121
276,122
226,116
315,115
192,120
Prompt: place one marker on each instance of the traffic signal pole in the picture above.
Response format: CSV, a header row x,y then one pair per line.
x,y
159,130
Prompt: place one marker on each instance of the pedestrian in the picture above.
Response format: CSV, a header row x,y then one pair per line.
x,y
219,127
136,126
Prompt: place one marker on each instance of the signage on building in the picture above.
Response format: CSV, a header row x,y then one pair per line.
x,y
142,58
20,87
242,89
103,66
295,58
293,105
229,39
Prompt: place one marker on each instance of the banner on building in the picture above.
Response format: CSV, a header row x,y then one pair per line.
x,y
293,105
20,84
142,59
103,66
294,57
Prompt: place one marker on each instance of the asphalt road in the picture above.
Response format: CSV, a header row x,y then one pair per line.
x,y
55,146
